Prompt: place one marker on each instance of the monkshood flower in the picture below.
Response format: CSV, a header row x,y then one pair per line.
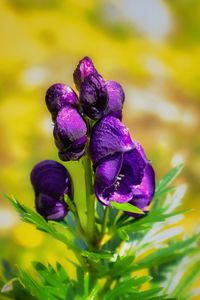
x,y
122,171
83,70
50,182
99,98
59,96
70,134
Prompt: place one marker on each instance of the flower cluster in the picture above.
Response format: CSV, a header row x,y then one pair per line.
x,y
122,173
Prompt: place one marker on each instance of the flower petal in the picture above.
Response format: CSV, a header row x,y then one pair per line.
x,y
50,208
51,178
70,134
115,99
59,96
109,136
144,192
93,96
105,176
83,70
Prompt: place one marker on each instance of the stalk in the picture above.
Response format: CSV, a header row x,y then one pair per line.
x,y
90,199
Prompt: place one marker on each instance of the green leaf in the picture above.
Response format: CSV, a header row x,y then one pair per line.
x,y
123,234
31,216
168,178
126,207
97,255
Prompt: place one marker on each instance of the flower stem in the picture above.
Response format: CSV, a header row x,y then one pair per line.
x,y
90,199
103,228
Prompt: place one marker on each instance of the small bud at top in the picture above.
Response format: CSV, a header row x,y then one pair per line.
x,y
83,70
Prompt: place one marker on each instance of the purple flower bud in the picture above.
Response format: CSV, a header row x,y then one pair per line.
x,y
59,96
83,70
122,171
50,182
93,96
70,134
99,98
116,97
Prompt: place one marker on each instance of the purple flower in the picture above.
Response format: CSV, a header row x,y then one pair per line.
x,y
59,96
122,171
99,98
83,70
50,182
70,134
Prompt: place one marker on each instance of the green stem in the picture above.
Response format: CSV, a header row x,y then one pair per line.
x,y
105,220
90,199
103,228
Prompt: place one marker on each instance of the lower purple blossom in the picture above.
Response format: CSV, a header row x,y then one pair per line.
x,y
122,171
50,181
70,134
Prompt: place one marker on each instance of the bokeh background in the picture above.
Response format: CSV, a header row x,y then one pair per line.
x,y
152,47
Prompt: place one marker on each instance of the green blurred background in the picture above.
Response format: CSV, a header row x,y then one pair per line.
x,y
151,47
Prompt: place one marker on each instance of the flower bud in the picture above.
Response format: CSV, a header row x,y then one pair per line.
x,y
93,96
70,134
115,95
50,181
59,96
83,70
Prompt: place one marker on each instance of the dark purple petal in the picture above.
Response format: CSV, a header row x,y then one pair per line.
x,y
115,96
59,96
117,175
109,136
105,176
70,134
93,96
51,181
144,192
83,70
50,208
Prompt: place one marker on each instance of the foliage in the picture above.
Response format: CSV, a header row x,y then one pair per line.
x,y
127,246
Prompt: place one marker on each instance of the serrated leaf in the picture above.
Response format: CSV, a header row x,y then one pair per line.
x,y
126,207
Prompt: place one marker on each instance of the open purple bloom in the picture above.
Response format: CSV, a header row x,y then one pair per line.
x,y
99,98
59,96
70,134
122,171
83,70
51,181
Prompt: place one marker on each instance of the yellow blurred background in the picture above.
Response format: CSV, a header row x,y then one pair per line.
x,y
151,47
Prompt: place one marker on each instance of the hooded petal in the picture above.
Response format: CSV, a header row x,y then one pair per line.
x,y
70,133
93,96
115,96
83,70
59,96
109,136
52,178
